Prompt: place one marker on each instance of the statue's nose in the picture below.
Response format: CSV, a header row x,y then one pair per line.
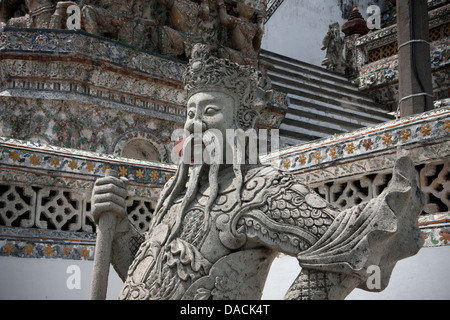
x,y
196,126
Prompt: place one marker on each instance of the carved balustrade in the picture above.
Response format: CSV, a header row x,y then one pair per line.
x,y
45,197
353,168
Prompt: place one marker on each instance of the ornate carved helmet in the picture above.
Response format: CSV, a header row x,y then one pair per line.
x,y
207,73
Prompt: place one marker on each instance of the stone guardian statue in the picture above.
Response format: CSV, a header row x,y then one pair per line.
x,y
219,223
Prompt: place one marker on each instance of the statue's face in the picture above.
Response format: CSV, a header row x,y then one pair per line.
x,y
213,110
246,8
208,111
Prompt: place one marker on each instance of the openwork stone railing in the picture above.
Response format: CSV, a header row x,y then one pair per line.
x,y
45,197
353,168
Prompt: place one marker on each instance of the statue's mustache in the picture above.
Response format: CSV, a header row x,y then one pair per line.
x,y
195,144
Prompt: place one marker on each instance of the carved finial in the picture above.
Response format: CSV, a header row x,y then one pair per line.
x,y
355,24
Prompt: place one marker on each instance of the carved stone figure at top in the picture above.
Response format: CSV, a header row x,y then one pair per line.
x,y
219,223
245,31
11,9
333,43
121,20
38,13
185,18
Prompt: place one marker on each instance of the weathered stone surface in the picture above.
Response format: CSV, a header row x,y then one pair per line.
x,y
333,43
168,27
216,222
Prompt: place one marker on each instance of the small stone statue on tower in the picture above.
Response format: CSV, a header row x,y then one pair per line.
x,y
333,43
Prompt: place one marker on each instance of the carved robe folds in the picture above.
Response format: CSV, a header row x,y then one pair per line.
x,y
227,253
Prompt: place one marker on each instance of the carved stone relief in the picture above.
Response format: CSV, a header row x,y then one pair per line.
x,y
169,27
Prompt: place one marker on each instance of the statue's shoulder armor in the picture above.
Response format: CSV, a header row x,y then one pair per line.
x,y
281,211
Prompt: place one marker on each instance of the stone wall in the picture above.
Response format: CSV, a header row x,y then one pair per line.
x,y
76,90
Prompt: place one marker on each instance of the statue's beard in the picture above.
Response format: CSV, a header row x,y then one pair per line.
x,y
189,174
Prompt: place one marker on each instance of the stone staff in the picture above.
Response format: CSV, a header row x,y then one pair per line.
x,y
106,216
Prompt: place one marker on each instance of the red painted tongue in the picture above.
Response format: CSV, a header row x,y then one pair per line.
x,y
178,149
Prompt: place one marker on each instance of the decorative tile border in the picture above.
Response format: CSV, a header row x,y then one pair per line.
x,y
50,244
30,155
80,43
433,219
272,6
432,126
85,78
377,38
142,83
435,237
384,162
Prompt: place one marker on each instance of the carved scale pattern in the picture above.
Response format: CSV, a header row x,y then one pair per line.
x,y
310,285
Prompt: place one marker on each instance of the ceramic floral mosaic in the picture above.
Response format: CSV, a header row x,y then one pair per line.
x,y
436,236
429,126
66,42
49,244
16,153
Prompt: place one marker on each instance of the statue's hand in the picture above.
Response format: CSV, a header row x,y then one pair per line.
x,y
406,200
109,197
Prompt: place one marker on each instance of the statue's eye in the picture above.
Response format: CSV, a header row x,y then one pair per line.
x,y
210,111
191,114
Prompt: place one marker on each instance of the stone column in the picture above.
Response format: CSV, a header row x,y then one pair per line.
x,y
415,86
